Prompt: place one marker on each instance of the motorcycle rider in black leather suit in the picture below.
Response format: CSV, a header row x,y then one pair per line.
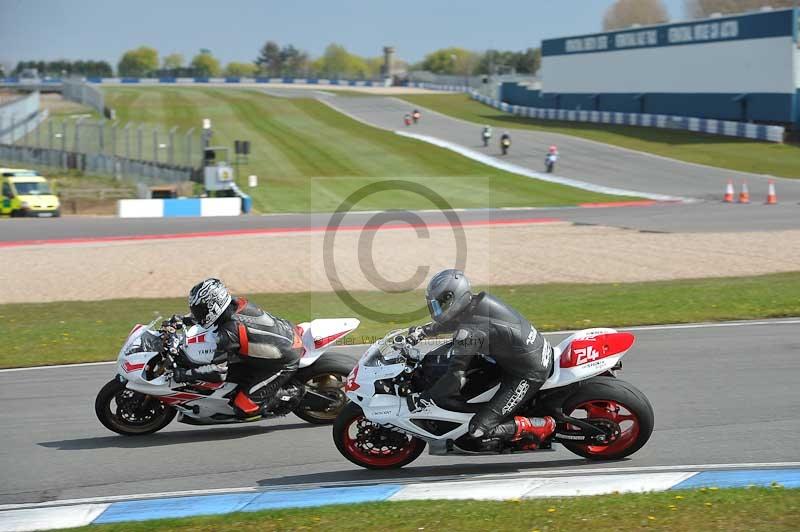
x,y
262,351
483,325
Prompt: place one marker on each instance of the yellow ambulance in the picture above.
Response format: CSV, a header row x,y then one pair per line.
x,y
25,193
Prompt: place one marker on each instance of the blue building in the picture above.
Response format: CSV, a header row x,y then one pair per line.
x,y
742,68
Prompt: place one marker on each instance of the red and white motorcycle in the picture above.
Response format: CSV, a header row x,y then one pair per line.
x,y
143,398
597,416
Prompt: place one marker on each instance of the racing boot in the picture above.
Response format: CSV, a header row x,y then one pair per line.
x,y
245,408
530,430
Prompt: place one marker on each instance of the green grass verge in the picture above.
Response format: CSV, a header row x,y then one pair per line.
x,y
55,333
773,509
310,158
725,152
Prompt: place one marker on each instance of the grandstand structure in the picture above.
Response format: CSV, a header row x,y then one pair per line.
x,y
743,68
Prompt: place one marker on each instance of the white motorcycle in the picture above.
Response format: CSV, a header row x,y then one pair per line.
x,y
143,398
597,416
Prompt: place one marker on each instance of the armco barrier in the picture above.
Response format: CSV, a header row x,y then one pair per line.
x,y
439,86
168,208
686,123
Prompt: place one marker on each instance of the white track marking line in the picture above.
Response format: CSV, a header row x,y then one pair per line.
x,y
535,474
50,518
59,366
704,325
677,326
508,167
653,469
527,172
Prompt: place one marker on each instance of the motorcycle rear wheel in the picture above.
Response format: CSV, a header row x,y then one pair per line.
x,y
326,377
371,446
150,416
613,403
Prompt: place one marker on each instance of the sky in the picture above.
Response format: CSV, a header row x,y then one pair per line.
x,y
234,30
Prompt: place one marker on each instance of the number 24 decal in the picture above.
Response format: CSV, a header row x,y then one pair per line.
x,y
586,354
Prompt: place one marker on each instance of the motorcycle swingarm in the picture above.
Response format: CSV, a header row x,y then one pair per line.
x,y
550,404
316,401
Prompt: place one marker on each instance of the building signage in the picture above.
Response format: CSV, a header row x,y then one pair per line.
x,y
753,26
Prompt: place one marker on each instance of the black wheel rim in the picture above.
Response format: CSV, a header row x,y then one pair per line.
x,y
134,411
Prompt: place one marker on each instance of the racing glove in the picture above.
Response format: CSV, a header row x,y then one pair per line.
x,y
178,321
416,334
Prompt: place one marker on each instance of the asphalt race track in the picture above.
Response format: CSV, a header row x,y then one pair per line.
x,y
580,159
702,217
722,395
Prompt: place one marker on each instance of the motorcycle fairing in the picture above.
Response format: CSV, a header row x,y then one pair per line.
x,y
393,410
132,365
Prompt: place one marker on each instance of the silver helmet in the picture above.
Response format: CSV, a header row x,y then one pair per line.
x,y
448,294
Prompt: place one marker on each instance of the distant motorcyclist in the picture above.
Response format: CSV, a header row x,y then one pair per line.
x,y
407,119
486,135
416,115
505,142
262,350
483,325
551,158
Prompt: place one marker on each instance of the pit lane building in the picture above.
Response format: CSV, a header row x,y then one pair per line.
x,y
740,68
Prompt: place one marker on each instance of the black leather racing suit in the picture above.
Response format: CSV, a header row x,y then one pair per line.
x,y
492,328
262,351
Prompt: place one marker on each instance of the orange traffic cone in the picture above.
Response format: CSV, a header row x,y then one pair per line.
x,y
729,192
744,195
772,198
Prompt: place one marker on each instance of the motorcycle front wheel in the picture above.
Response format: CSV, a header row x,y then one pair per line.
x,y
370,445
130,413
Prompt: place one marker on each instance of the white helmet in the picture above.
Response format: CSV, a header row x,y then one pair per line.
x,y
208,300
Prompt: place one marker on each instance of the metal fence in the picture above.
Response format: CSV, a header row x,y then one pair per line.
x,y
79,91
18,116
135,152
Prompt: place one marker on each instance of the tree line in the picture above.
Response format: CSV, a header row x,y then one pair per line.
x,y
275,60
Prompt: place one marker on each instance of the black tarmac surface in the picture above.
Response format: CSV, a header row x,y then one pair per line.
x,y
722,395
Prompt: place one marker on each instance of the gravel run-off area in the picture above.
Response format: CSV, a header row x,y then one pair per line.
x,y
388,260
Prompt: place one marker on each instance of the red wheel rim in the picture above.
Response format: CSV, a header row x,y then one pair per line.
x,y
615,412
368,453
